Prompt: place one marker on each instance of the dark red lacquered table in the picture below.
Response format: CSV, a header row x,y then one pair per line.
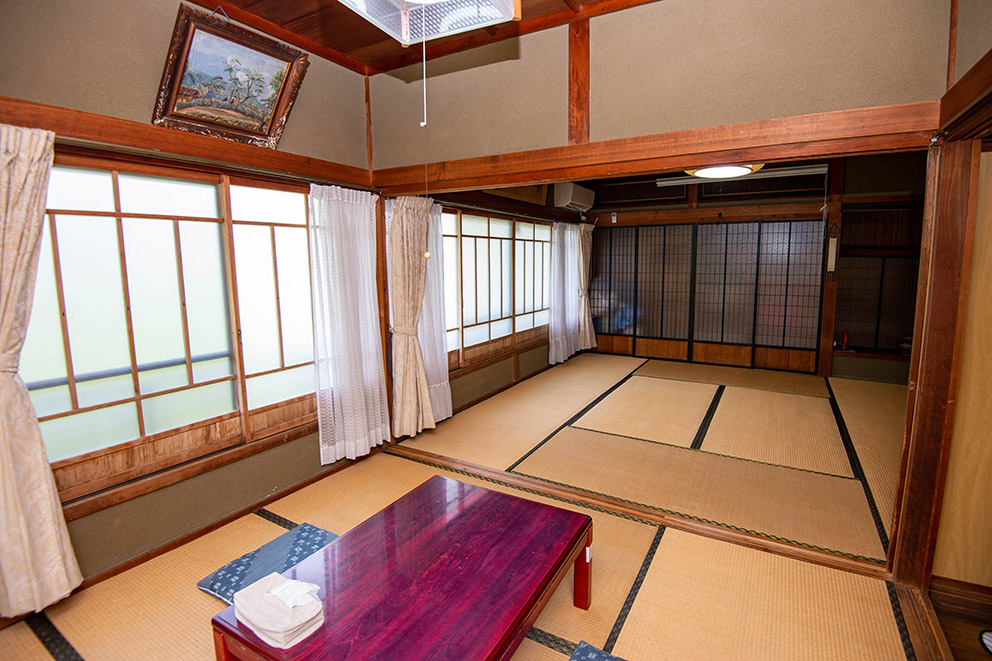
x,y
448,571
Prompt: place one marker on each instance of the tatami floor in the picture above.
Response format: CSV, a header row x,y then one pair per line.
x,y
785,456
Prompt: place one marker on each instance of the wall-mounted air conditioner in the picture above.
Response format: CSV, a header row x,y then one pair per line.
x,y
574,197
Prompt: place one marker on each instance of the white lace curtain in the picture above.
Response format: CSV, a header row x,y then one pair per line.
x,y
563,328
432,324
351,389
37,563
587,333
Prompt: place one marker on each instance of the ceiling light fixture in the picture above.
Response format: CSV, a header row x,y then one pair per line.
x,y
725,171
414,21
788,171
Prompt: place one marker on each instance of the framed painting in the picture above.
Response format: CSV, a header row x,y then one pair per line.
x,y
224,81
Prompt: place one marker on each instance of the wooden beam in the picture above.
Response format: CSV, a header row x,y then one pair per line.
x,y
511,207
476,38
277,31
578,82
922,624
574,5
728,214
945,269
865,130
966,108
77,127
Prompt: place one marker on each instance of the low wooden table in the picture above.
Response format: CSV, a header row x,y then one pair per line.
x,y
448,571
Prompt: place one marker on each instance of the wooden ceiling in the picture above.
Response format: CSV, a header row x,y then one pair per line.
x,y
329,29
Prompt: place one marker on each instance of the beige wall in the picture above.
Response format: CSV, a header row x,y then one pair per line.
x,y
106,57
974,34
506,97
964,541
680,64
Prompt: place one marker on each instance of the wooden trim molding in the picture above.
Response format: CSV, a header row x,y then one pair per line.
x,y
945,268
728,214
865,130
966,108
578,82
84,128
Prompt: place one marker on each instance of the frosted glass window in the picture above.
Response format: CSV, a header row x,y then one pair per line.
x,y
495,279
453,339
528,276
163,196
518,282
500,228
545,289
256,297
524,322
94,306
43,355
293,264
501,328
449,223
525,230
280,386
452,300
156,310
205,283
474,225
482,279
476,334
272,206
468,277
186,406
84,432
506,305
541,318
542,232
80,190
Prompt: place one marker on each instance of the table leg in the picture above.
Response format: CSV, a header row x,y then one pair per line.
x,y
583,575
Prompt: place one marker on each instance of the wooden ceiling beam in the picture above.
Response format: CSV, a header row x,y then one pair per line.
x,y
574,5
278,32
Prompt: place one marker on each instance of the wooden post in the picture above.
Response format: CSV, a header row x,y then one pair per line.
x,y
578,82
942,295
828,312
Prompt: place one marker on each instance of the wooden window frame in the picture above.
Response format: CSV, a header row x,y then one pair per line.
x,y
92,480
464,358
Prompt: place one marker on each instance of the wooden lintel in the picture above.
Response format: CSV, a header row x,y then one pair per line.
x,y
78,127
497,204
725,214
966,108
864,130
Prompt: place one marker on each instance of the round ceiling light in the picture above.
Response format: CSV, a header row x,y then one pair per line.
x,y
725,171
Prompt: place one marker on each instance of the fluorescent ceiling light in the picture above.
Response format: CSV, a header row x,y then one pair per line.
x,y
724,171
766,173
414,21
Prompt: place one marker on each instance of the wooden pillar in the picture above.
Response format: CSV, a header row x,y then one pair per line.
x,y
578,82
828,313
382,289
941,304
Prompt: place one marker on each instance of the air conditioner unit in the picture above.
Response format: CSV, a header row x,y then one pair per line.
x,y
574,197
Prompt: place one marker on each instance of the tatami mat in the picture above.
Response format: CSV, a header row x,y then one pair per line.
x,y
705,599
818,510
500,430
18,642
347,498
797,384
875,414
778,428
655,409
155,610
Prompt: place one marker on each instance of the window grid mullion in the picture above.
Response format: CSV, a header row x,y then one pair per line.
x,y
67,349
275,279
182,300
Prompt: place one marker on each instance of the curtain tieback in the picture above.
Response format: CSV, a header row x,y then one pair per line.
x,y
404,330
9,362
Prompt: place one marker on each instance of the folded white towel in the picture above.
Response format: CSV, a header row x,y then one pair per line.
x,y
280,611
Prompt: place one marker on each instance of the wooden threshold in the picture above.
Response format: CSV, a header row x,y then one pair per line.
x,y
644,513
922,623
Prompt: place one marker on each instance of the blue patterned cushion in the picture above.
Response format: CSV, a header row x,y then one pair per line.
x,y
586,652
278,555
